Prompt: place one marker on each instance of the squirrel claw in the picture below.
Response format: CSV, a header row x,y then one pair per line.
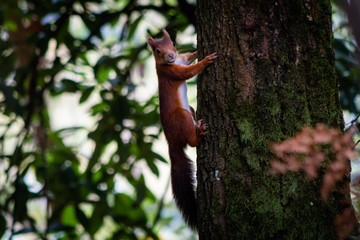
x,y
211,58
201,127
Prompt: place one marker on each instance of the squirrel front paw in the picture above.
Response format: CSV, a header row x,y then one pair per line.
x,y
201,128
211,58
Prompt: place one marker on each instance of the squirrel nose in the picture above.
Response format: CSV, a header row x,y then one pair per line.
x,y
171,55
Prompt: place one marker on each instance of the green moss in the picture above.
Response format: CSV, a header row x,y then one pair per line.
x,y
282,204
246,130
252,159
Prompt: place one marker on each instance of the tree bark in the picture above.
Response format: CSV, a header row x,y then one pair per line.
x,y
275,73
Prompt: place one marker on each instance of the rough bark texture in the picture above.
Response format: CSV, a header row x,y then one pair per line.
x,y
275,73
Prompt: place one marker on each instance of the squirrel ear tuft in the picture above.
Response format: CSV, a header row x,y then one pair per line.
x,y
150,41
166,34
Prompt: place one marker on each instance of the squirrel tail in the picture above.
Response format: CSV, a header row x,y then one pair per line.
x,y
182,181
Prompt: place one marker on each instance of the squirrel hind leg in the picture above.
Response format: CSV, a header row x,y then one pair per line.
x,y
185,128
194,132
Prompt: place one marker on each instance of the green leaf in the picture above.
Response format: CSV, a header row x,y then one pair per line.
x,y
102,73
11,25
123,204
134,26
99,108
69,85
3,225
158,157
86,93
21,196
141,190
81,217
153,167
68,176
120,109
100,211
56,227
68,216
128,212
24,230
12,103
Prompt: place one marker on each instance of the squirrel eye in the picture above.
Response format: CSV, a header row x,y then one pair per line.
x,y
158,51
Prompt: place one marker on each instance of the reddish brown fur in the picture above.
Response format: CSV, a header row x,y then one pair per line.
x,y
178,124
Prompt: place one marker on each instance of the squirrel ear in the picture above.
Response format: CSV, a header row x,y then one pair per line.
x,y
150,41
166,34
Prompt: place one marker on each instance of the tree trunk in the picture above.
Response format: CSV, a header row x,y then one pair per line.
x,y
274,74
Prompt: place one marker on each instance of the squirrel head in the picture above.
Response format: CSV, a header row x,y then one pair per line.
x,y
164,50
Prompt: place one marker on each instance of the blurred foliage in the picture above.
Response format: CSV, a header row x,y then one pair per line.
x,y
347,40
347,56
347,70
89,49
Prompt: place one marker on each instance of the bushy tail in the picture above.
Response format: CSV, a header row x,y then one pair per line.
x,y
182,180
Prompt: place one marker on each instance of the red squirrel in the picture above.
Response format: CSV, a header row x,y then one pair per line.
x,y
178,118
